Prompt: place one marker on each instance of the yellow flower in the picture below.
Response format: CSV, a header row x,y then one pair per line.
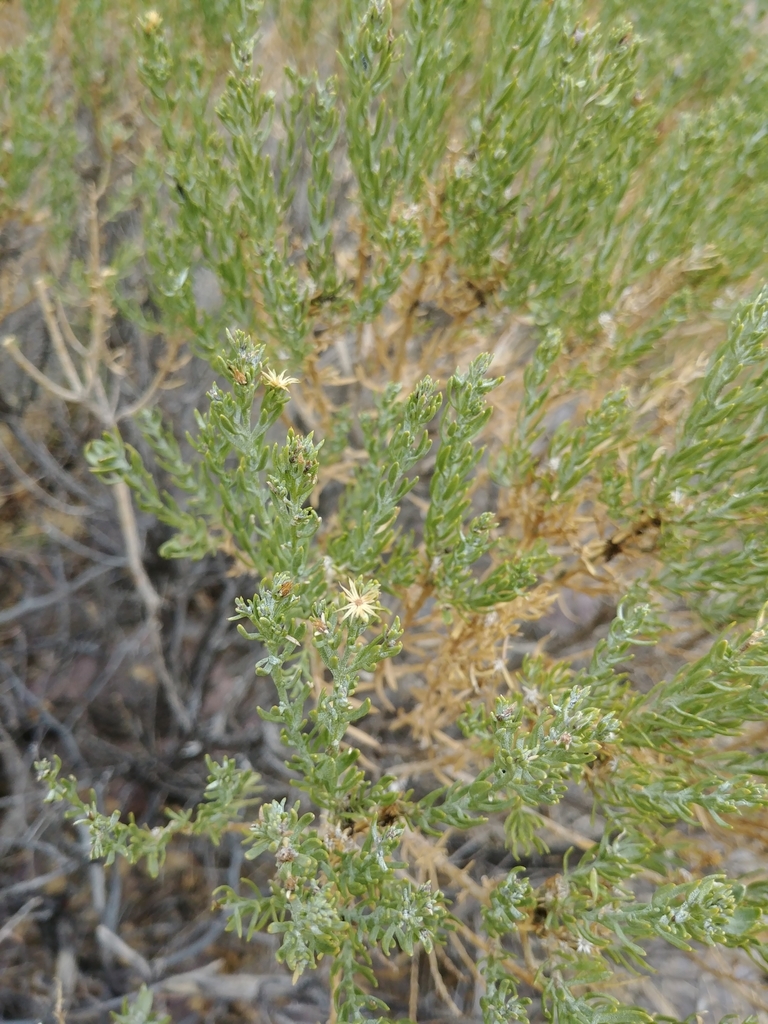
x,y
151,22
362,604
277,380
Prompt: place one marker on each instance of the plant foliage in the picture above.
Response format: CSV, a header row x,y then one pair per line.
x,y
567,202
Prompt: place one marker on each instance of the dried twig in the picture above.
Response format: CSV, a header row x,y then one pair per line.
x,y
440,987
83,550
206,651
49,465
161,964
66,969
124,953
32,487
87,388
16,773
48,720
206,981
36,604
413,994
21,915
746,991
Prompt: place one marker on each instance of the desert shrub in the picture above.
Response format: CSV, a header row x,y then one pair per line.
x,y
568,203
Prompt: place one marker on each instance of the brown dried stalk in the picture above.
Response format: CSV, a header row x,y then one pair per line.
x,y
86,387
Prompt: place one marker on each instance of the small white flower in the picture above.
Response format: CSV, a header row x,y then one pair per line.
x,y
608,325
532,695
756,637
561,887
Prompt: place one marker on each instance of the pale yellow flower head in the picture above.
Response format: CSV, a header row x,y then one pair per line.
x,y
151,22
362,604
277,380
